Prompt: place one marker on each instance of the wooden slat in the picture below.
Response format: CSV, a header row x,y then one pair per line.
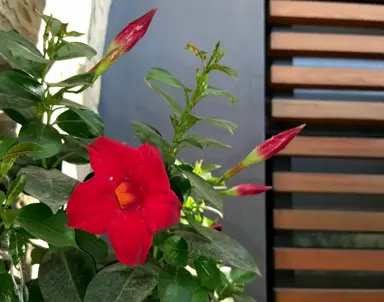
x,y
328,183
326,13
290,77
287,44
328,260
335,147
331,295
329,220
328,111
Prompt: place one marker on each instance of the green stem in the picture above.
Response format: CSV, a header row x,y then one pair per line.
x,y
44,163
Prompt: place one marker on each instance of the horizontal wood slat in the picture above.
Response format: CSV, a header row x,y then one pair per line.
x,y
331,295
328,260
320,77
328,183
326,13
335,147
288,44
328,111
329,220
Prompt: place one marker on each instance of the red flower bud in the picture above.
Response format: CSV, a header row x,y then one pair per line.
x,y
246,190
265,150
217,227
124,41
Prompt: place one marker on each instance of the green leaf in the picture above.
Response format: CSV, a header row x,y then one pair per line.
x,y
74,34
16,244
175,284
21,115
213,91
57,186
181,186
38,220
37,254
16,188
165,77
6,143
205,141
200,229
210,167
228,70
173,104
176,249
34,291
145,133
30,149
121,283
55,24
240,276
20,51
3,270
190,140
220,248
70,50
74,150
64,276
20,84
81,123
93,245
205,190
77,80
207,271
240,297
30,67
71,104
229,126
14,102
2,197
200,294
7,293
44,135
8,216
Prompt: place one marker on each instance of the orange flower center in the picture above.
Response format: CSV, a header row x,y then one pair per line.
x,y
124,195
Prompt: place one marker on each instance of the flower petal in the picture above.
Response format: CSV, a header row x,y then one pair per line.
x,y
113,159
92,206
161,211
130,238
152,173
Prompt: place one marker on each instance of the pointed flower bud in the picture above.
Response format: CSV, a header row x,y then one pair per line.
x,y
217,227
265,150
246,190
124,42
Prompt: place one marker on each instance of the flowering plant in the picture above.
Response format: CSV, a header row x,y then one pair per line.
x,y
151,204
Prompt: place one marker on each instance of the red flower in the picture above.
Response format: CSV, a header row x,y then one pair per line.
x,y
217,227
124,41
246,190
129,198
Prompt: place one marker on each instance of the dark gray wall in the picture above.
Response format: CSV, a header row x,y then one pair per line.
x,y
239,25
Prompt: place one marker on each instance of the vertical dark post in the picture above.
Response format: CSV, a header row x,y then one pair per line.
x,y
239,25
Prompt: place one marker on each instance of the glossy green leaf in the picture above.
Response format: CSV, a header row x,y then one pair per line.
x,y
30,149
81,123
21,115
38,220
121,283
240,297
228,70
74,150
220,248
210,167
3,270
176,249
93,245
2,197
37,254
55,24
65,275
181,186
43,135
6,37
14,102
16,188
8,216
20,51
192,141
17,245
74,34
57,187
227,125
165,77
6,143
70,50
206,232
207,271
213,91
200,294
77,80
18,83
239,276
7,293
204,141
205,190
71,104
34,291
173,104
176,284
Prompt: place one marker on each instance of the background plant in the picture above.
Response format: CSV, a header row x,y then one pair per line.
x,y
189,262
